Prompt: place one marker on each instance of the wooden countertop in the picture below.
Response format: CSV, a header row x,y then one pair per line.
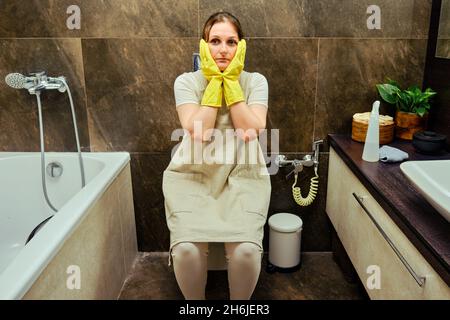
x,y
427,230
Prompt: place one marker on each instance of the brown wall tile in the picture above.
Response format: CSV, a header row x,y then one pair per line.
x,y
330,18
151,227
444,20
399,19
100,18
130,90
290,66
284,18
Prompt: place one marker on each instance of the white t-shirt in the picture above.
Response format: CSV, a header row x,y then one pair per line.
x,y
190,86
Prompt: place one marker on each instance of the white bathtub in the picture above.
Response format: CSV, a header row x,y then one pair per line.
x,y
23,207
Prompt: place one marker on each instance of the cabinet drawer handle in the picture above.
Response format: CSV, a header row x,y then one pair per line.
x,y
420,280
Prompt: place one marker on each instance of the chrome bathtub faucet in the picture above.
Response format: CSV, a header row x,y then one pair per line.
x,y
36,81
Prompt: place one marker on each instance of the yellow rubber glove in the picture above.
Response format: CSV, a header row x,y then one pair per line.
x,y
229,77
232,88
213,93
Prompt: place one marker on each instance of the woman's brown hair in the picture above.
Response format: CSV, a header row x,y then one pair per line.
x,y
221,16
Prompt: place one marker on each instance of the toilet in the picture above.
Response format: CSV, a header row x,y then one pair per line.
x,y
216,256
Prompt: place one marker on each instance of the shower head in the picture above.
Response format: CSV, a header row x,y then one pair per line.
x,y
35,82
16,80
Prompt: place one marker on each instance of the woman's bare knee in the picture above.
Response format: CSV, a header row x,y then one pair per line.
x,y
185,250
246,251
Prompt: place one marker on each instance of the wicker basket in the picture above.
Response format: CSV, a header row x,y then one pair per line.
x,y
360,124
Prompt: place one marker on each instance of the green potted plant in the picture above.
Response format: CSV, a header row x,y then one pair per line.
x,y
412,107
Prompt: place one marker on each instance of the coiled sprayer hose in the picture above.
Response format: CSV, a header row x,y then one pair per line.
x,y
313,187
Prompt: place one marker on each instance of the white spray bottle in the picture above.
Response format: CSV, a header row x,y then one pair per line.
x,y
372,143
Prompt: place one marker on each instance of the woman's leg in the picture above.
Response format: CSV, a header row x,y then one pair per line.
x,y
244,266
190,267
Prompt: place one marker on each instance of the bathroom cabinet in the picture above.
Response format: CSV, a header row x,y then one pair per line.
x,y
387,262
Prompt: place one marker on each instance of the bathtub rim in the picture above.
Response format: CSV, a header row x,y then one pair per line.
x,y
19,276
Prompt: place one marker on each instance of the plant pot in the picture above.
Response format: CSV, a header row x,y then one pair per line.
x,y
406,124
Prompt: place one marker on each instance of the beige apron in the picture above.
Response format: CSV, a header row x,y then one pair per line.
x,y
218,202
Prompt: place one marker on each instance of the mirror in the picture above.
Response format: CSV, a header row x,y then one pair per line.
x,y
443,40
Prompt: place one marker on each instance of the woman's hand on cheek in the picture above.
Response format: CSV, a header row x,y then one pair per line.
x,y
212,96
222,83
237,64
208,65
232,88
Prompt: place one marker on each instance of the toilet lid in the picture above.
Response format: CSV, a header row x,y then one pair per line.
x,y
285,222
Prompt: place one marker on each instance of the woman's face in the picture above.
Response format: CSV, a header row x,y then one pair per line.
x,y
223,41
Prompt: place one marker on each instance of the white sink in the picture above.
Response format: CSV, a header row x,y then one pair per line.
x,y
432,180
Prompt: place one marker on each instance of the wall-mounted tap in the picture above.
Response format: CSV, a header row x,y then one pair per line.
x,y
307,161
282,161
